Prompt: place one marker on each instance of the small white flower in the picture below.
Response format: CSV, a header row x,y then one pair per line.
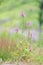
x,y
25,33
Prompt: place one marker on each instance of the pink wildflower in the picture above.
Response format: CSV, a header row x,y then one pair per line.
x,y
16,30
23,14
29,24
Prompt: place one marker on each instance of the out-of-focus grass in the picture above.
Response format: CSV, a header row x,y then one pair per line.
x,y
16,48
16,11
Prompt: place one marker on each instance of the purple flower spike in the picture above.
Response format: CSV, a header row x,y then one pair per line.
x,y
23,14
29,24
16,30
